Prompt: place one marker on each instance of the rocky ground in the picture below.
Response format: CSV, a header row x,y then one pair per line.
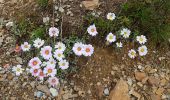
x,y
108,74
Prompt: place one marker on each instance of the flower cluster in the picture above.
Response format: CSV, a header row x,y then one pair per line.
x,y
125,33
52,58
83,49
142,50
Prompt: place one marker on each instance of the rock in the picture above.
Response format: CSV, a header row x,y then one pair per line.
x,y
61,9
144,80
136,94
129,81
163,82
139,84
120,92
90,5
140,76
153,71
67,96
106,91
81,93
19,59
100,90
10,76
32,84
54,92
13,98
155,97
9,24
46,19
160,91
39,94
44,89
153,81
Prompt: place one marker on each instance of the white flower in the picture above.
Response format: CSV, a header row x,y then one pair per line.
x,y
60,46
51,62
58,55
46,52
25,46
111,16
111,38
132,53
35,71
38,43
63,64
53,32
50,71
119,44
35,62
125,33
142,50
92,30
17,69
141,39
78,48
88,50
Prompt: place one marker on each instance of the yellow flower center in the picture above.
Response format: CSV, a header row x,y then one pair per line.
x,y
142,50
49,70
79,49
132,53
110,37
87,49
59,55
25,46
34,63
35,70
47,52
18,69
92,30
141,39
63,64
125,33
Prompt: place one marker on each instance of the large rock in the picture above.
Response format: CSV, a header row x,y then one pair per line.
x,y
90,4
120,92
140,76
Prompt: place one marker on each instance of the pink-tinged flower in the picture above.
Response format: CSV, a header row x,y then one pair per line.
x,y
41,75
78,48
53,32
50,71
34,71
92,30
46,52
54,81
17,48
88,50
35,62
